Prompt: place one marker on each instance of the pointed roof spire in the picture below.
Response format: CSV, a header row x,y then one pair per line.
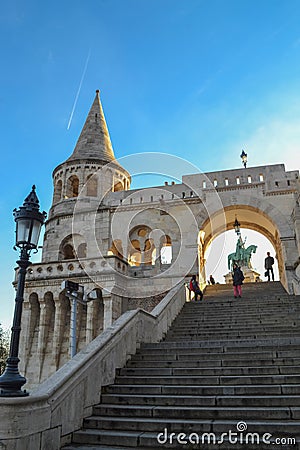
x,y
94,141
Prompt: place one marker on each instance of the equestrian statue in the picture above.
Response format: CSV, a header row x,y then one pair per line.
x,y
242,255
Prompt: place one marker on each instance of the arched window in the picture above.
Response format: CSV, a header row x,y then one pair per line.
x,y
118,187
135,253
68,252
166,250
142,249
148,252
91,186
72,187
81,252
116,248
72,246
57,191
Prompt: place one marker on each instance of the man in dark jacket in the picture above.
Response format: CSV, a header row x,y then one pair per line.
x,y
269,261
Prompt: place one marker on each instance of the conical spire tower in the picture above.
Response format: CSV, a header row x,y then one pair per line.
x,y
94,141
93,156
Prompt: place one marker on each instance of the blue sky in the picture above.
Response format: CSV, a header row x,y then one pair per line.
x,y
201,80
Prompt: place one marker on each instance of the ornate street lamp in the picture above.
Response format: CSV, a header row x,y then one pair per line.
x,y
29,222
237,227
244,158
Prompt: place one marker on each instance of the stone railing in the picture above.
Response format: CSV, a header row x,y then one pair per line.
x,y
72,267
47,418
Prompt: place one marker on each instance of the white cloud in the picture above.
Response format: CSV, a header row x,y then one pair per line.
x,y
276,141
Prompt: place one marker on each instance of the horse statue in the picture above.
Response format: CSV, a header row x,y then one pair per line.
x,y
242,256
248,252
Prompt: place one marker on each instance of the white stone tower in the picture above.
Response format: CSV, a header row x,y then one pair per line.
x,y
80,184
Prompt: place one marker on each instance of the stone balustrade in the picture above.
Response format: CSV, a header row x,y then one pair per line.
x,y
74,268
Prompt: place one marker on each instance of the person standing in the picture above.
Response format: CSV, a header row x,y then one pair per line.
x,y
212,280
237,278
269,261
194,287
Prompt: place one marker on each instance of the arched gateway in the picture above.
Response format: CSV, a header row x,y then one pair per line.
x,y
131,246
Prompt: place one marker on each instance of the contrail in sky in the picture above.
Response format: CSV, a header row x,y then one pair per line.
x,y
79,89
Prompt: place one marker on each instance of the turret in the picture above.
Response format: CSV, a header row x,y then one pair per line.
x,y
90,172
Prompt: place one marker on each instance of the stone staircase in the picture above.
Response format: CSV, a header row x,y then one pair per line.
x,y
225,364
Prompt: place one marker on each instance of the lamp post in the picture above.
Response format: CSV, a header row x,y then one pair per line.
x,y
244,158
237,227
29,222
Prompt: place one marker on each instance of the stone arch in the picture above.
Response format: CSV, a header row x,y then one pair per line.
x,y
81,251
266,219
116,248
118,187
72,186
71,247
135,253
91,186
57,191
141,246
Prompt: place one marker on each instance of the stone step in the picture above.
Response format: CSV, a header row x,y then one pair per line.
x,y
233,327
260,302
221,362
291,342
205,308
247,310
247,298
238,389
225,446
192,412
149,441
207,354
196,400
211,380
233,320
98,424
232,334
192,347
229,337
214,371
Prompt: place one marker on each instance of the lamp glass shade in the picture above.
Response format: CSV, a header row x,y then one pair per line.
x,y
28,232
237,226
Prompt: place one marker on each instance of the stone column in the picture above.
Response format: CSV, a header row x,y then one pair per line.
x,y
116,307
108,316
90,322
24,338
44,324
59,324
